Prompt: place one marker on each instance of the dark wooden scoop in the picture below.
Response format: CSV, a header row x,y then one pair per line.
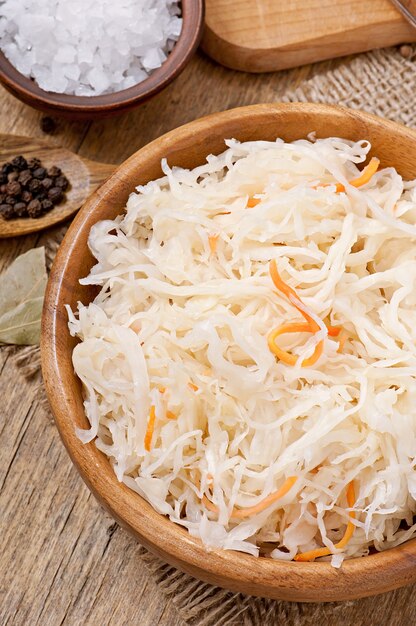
x,y
84,177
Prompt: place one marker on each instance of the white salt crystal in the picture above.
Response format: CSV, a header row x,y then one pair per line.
x,y
98,80
175,27
88,48
85,52
83,90
58,84
151,60
66,54
128,82
71,71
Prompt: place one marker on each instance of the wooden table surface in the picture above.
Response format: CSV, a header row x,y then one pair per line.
x,y
62,561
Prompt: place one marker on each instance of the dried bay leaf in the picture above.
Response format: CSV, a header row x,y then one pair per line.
x,y
22,288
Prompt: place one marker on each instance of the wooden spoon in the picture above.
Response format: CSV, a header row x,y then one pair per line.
x,y
84,177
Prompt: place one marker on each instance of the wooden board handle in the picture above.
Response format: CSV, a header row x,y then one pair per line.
x,y
408,9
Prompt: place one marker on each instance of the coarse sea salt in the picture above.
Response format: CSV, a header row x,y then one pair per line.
x,y
88,48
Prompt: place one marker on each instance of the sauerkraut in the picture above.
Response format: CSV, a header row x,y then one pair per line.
x,y
182,391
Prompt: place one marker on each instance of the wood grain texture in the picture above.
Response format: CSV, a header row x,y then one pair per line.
x,y
188,146
85,108
407,9
81,568
262,36
84,177
202,88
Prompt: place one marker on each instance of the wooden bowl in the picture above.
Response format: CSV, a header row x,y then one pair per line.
x,y
83,107
187,147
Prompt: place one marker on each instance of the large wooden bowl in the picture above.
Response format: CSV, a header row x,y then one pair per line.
x,y
188,146
86,107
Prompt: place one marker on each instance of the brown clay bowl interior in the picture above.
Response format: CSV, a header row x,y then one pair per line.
x,y
188,146
83,107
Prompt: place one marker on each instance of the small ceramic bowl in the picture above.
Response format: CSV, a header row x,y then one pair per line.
x,y
83,107
188,146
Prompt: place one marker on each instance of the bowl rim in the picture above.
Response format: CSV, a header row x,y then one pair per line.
x,y
289,580
193,21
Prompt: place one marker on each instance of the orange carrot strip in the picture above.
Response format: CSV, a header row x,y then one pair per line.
x,y
289,293
270,499
150,428
171,416
294,327
193,387
263,504
305,327
349,531
350,526
279,282
333,331
212,240
252,202
311,325
366,174
162,389
311,555
286,357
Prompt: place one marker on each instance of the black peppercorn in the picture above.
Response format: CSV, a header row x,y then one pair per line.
x,y
35,185
47,205
6,211
48,124
54,171
62,182
47,183
28,189
39,173
7,168
14,189
25,177
32,164
27,196
55,194
20,209
12,177
19,162
34,208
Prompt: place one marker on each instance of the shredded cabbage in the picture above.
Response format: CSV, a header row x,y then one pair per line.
x,y
183,327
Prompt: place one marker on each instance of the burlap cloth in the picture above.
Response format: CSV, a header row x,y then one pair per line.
x,y
382,82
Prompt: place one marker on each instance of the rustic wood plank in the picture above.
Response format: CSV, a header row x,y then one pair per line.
x,y
259,37
19,119
63,560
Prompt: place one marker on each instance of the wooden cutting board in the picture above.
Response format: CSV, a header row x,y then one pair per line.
x,y
268,35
